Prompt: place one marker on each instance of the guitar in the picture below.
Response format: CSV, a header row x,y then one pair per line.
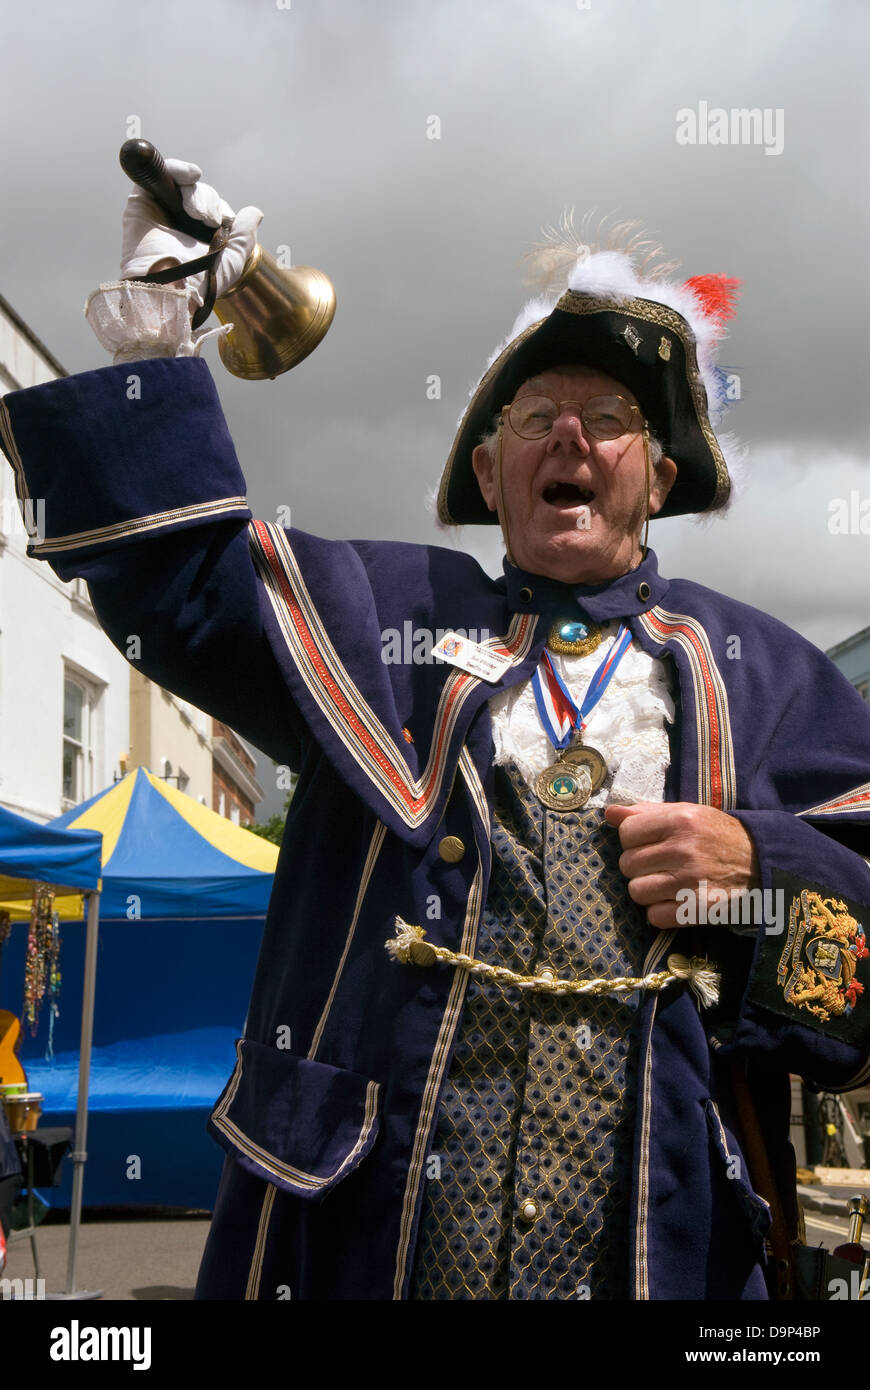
x,y
11,1070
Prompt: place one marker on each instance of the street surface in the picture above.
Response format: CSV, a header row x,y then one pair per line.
x,y
152,1258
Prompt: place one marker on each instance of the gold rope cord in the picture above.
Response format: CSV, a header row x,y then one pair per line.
x,y
409,947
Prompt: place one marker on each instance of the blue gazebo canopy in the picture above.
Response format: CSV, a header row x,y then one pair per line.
x,y
33,853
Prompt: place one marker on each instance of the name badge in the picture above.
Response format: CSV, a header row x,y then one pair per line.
x,y
470,656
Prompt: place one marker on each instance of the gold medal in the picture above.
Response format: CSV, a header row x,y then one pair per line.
x,y
574,637
579,770
570,781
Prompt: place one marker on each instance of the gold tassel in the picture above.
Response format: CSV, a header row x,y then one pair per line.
x,y
703,981
400,947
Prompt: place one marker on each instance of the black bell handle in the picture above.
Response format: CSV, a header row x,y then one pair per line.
x,y
144,165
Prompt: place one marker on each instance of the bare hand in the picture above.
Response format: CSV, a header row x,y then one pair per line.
x,y
673,845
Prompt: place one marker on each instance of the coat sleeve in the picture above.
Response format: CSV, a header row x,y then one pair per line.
x,y
129,479
806,1002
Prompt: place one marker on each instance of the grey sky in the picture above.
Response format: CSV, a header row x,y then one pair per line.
x,y
318,114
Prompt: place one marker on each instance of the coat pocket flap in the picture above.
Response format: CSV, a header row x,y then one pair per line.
x,y
298,1124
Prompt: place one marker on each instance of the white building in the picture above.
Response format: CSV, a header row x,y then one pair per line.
x,y
171,737
64,689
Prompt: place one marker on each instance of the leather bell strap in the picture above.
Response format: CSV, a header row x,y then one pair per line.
x,y
180,272
409,947
558,712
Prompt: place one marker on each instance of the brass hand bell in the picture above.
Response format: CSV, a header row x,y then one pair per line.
x,y
279,314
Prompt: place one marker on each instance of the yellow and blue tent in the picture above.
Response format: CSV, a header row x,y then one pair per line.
x,y
32,854
166,856
182,909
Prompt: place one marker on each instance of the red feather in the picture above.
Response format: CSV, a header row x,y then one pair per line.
x,y
716,296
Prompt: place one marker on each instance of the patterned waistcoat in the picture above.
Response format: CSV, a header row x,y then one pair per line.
x,y
529,1176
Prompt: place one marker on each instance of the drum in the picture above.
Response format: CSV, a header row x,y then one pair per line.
x,y
23,1108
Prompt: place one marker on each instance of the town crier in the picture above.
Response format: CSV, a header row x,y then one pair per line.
x,y
557,910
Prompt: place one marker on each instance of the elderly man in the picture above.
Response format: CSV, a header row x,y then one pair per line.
x,y
517,1069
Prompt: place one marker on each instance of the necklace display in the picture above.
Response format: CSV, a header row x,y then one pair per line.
x,y
579,769
41,969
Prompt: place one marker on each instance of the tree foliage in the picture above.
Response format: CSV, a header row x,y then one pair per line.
x,y
273,828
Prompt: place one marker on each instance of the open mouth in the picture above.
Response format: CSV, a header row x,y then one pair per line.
x,y
567,495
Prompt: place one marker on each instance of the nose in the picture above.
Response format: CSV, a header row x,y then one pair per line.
x,y
568,430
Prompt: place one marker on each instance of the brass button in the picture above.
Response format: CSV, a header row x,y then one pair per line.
x,y
421,953
530,1211
525,594
643,591
451,849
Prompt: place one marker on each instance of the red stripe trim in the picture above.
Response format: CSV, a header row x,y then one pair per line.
x,y
667,630
840,803
616,651
461,681
345,710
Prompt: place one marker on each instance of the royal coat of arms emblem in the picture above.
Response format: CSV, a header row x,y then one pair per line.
x,y
817,968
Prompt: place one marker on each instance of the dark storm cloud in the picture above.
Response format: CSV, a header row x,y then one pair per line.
x,y
318,114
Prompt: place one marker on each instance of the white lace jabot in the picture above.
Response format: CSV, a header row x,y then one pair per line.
x,y
134,321
627,725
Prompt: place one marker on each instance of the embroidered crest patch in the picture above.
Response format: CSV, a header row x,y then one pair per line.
x,y
818,975
818,965
665,349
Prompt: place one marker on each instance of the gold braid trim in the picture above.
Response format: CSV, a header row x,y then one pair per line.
x,y
409,947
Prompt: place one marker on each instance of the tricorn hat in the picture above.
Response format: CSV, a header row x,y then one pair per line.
x,y
655,336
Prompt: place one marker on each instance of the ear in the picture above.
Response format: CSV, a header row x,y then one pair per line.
x,y
663,479
484,470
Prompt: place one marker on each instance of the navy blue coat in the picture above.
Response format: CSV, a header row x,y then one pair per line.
x,y
280,634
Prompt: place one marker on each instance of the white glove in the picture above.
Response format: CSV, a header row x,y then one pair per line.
x,y
147,238
135,321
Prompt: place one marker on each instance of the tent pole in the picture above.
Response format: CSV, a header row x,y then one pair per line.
x,y
79,1155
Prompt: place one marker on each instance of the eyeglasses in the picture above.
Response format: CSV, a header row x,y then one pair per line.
x,y
604,417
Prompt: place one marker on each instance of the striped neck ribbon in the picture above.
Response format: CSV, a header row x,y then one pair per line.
x,y
559,714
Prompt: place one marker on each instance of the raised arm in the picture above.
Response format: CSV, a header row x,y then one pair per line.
x,y
143,497
141,490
